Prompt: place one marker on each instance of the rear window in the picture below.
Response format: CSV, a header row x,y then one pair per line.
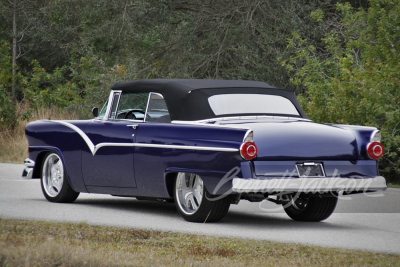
x,y
228,104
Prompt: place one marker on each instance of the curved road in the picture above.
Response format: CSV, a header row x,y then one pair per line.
x,y
361,222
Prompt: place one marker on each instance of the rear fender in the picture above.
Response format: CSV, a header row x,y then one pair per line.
x,y
215,182
362,134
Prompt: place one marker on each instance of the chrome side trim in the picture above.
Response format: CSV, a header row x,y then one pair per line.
x,y
251,118
201,123
93,148
222,149
98,146
308,185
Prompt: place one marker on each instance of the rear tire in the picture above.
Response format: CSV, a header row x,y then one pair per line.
x,y
54,181
309,208
194,203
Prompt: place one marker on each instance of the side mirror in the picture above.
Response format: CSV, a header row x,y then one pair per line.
x,y
95,112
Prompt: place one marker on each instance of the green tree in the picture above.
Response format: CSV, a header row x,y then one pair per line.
x,y
357,78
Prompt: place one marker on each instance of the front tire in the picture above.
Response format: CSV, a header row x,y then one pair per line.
x,y
309,208
193,201
54,181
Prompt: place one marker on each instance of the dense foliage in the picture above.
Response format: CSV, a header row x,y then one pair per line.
x,y
341,58
357,78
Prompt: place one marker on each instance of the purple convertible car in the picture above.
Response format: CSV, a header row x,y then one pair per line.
x,y
205,144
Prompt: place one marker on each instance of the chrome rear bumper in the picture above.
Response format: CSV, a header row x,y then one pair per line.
x,y
28,171
309,185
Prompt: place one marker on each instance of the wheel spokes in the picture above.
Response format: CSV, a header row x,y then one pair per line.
x,y
189,192
53,172
191,202
198,189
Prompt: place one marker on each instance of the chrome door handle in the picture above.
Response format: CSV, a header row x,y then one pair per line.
x,y
133,126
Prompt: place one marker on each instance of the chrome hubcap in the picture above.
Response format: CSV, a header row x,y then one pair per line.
x,y
53,175
189,192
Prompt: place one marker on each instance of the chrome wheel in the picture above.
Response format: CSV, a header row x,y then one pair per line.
x,y
189,192
53,175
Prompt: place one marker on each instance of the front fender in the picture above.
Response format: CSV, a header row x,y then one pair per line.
x,y
36,153
44,136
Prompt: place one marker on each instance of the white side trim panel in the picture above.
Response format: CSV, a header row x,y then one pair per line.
x,y
93,148
81,133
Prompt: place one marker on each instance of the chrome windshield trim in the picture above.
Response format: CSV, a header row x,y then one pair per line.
x,y
110,102
147,107
117,106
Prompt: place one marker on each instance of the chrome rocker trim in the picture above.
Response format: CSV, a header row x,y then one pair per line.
x,y
309,185
28,171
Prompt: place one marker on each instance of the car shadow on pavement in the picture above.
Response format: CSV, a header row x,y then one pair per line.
x,y
130,204
240,220
276,222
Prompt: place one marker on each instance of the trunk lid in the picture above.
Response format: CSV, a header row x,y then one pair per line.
x,y
279,139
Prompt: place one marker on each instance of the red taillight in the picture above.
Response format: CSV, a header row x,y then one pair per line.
x,y
248,150
375,150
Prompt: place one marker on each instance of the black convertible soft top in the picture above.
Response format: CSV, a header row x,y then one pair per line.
x,y
187,99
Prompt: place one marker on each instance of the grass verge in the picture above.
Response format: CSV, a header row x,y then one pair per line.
x,y
35,243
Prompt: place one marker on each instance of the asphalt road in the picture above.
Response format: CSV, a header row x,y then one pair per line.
x,y
361,222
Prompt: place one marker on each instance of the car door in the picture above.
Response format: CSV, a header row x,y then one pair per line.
x,y
111,161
